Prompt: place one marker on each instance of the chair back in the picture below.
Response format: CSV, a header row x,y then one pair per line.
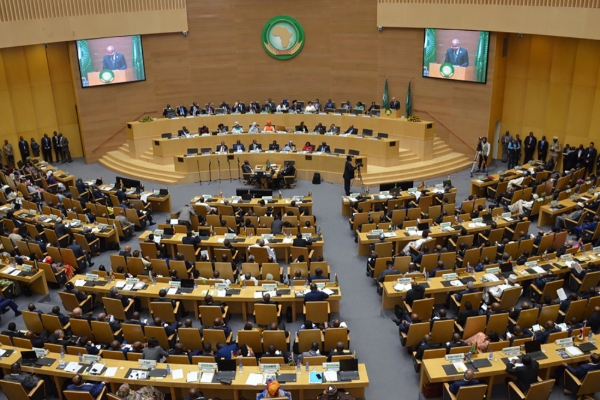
x,y
178,359
306,337
159,333
202,359
69,300
576,309
474,325
423,308
557,335
497,323
317,311
113,354
590,279
80,395
214,336
54,348
254,269
548,313
473,298
540,390
265,314
272,360
5,340
115,308
276,338
33,322
416,332
189,337
442,331
334,335
81,327
102,332
473,392
270,268
51,322
434,353
209,313
527,318
251,338
261,255
134,356
164,310
460,349
133,333
510,297
497,346
14,390
225,270
75,350
315,360
590,384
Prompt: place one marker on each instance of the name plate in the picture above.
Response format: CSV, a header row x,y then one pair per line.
x,y
91,277
446,224
566,257
531,264
269,287
411,229
175,284
449,277
506,215
321,285
26,268
404,281
477,220
147,363
454,357
596,249
207,366
511,351
88,358
221,286
41,352
269,367
132,281
230,236
566,342
376,232
331,366
494,270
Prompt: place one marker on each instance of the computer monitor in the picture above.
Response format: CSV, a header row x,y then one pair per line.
x,y
339,151
358,112
367,132
170,113
382,135
341,111
330,110
220,111
375,112
405,185
192,150
226,365
205,150
128,182
166,135
353,152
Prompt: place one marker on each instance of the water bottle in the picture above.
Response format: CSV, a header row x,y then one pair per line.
x,y
153,279
62,352
590,336
469,356
298,368
168,369
491,356
306,365
240,366
244,284
292,284
80,356
195,284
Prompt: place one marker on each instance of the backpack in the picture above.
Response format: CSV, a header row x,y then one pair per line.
x,y
316,178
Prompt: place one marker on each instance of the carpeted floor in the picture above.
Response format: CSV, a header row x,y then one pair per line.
x,y
373,335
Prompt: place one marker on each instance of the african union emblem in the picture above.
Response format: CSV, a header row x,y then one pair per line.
x,y
282,37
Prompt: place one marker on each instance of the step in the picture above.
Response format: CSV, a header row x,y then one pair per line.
x,y
141,169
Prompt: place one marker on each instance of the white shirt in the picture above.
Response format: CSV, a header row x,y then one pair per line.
x,y
281,107
237,129
310,108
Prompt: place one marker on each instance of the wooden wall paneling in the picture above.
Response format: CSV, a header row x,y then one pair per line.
x,y
498,89
20,91
587,63
580,110
594,131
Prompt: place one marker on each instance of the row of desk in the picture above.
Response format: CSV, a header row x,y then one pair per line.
x,y
242,303
178,388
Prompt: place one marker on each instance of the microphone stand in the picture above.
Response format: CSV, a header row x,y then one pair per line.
x,y
219,166
199,173
209,172
229,167
239,171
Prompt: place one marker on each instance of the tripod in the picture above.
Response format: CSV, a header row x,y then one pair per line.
x,y
239,171
199,173
229,167
209,172
475,164
219,166
362,185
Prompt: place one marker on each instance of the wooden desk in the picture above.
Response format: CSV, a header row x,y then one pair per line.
x,y
279,204
238,304
479,187
432,370
178,388
37,282
159,203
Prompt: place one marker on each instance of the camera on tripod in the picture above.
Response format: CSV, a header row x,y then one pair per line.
x,y
479,144
359,163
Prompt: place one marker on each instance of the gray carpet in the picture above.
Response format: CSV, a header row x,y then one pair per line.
x,y
373,335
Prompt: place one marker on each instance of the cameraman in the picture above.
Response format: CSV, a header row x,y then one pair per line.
x,y
483,149
349,173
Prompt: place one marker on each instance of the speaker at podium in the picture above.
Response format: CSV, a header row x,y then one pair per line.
x,y
120,76
460,73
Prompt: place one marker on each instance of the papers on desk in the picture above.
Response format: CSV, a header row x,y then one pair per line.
x,y
414,233
139,285
389,234
15,272
220,240
128,287
401,288
513,359
254,379
272,293
490,278
288,240
328,291
72,367
79,282
111,371
460,366
476,224
330,376
207,377
178,374
173,291
222,293
539,270
120,284
144,197
8,270
573,351
456,283
157,239
191,376
351,199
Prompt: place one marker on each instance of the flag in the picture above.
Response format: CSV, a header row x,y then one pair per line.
x,y
429,47
137,58
85,59
408,101
385,102
482,56
472,349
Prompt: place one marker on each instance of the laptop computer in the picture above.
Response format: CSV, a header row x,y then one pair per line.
x,y
506,269
168,233
30,359
187,286
348,370
533,349
226,370
423,226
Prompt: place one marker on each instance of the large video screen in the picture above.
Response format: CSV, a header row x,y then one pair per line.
x,y
456,55
108,61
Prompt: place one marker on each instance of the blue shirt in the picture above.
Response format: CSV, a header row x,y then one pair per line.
x,y
92,388
315,296
225,351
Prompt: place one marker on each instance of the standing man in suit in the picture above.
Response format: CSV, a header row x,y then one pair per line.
x,y
456,55
113,60
530,142
555,149
506,139
56,146
394,104
348,174
181,110
589,158
526,375
47,148
7,149
64,145
23,148
542,149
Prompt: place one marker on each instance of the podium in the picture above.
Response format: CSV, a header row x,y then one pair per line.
x,y
121,75
460,73
393,114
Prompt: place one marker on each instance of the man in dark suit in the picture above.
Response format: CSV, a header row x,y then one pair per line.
x,y
113,60
254,145
274,146
315,294
56,146
416,292
461,319
425,344
225,106
135,320
593,320
210,109
12,331
181,110
195,109
589,157
28,381
23,148
468,380
580,372
456,342
394,104
79,252
191,239
526,375
47,148
470,289
549,327
61,317
542,149
222,148
530,142
239,146
348,173
277,226
456,55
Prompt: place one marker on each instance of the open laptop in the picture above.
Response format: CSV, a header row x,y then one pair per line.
x,y
348,370
30,359
226,370
187,286
506,269
422,226
533,349
168,233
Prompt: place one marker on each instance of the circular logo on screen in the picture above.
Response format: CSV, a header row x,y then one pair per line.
x,y
282,37
446,70
107,76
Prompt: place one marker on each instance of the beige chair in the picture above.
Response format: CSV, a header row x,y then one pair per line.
x,y
113,354
190,338
81,327
549,290
473,392
70,302
442,331
305,338
15,391
160,334
317,311
537,391
5,340
334,335
209,313
472,326
79,395
53,278
252,338
164,310
52,323
115,308
415,333
423,308
266,314
277,339
22,343
103,332
133,333
33,322
585,388
214,336
178,359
